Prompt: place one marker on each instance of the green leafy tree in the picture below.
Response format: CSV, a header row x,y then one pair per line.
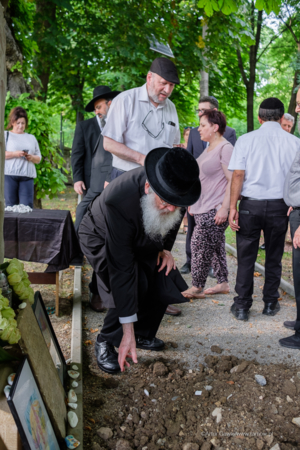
x,y
50,172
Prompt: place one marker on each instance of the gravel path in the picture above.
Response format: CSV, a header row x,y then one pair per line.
x,y
208,322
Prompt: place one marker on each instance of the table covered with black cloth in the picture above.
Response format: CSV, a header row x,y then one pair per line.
x,y
43,236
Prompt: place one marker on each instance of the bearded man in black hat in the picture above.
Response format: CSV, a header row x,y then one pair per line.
x,y
127,235
261,161
91,165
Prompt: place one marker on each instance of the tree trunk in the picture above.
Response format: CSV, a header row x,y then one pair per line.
x,y
250,89
204,80
45,15
37,202
2,106
77,101
16,83
292,104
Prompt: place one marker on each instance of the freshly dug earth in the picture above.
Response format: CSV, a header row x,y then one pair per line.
x,y
154,406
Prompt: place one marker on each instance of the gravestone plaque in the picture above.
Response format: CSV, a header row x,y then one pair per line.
x,y
33,345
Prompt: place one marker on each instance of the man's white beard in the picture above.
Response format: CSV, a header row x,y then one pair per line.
x,y
156,223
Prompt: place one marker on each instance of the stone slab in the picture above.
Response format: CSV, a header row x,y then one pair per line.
x,y
76,351
33,345
76,343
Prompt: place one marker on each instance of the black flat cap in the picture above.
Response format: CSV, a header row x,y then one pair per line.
x,y
166,69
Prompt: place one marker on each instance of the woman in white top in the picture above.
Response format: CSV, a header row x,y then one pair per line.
x,y
21,155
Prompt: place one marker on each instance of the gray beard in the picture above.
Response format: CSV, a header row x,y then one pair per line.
x,y
154,97
157,224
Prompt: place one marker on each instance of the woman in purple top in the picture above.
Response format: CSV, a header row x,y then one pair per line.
x,y
211,210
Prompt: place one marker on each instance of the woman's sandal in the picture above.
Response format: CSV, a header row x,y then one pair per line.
x,y
193,294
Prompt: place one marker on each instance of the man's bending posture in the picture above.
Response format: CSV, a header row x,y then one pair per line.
x,y
127,235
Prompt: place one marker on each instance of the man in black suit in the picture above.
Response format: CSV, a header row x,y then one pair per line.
x,y
196,147
91,164
127,235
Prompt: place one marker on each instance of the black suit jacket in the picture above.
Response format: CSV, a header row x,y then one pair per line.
x,y
113,239
196,146
85,139
101,167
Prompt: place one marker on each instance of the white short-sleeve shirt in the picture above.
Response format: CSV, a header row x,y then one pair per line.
x,y
128,111
266,156
20,166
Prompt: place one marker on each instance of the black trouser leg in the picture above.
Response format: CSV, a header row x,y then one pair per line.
x,y
270,216
275,227
150,315
154,297
93,284
247,247
295,223
191,225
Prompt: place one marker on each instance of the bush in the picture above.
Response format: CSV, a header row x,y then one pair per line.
x,y
50,177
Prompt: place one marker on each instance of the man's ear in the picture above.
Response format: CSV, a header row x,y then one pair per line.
x,y
147,187
260,120
281,119
109,103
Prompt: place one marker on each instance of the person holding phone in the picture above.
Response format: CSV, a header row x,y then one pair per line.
x,y
21,154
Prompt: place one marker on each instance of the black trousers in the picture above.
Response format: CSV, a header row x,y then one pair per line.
x,y
191,226
254,216
295,223
154,297
81,209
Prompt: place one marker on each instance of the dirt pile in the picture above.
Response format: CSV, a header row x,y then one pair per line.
x,y
160,405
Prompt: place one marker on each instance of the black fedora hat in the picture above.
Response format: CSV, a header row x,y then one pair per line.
x,y
173,174
100,92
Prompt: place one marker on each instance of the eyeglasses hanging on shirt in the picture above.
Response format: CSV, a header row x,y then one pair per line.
x,y
146,128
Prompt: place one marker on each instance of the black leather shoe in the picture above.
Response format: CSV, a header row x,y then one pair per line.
x,y
291,341
107,357
290,324
211,273
149,344
271,309
186,268
239,314
96,302
263,246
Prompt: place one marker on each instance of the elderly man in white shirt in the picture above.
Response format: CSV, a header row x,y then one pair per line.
x,y
142,119
260,161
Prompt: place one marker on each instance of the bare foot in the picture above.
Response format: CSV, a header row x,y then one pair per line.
x,y
222,288
193,292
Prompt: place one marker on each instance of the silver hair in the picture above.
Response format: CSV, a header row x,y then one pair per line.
x,y
289,117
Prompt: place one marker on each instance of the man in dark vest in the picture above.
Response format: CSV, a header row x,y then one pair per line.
x,y
196,147
127,235
91,164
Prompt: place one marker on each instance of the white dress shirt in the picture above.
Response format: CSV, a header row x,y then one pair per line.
x,y
124,124
266,156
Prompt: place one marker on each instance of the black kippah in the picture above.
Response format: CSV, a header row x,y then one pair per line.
x,y
271,103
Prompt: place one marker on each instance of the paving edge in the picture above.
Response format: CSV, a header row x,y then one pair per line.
x,y
76,353
287,287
